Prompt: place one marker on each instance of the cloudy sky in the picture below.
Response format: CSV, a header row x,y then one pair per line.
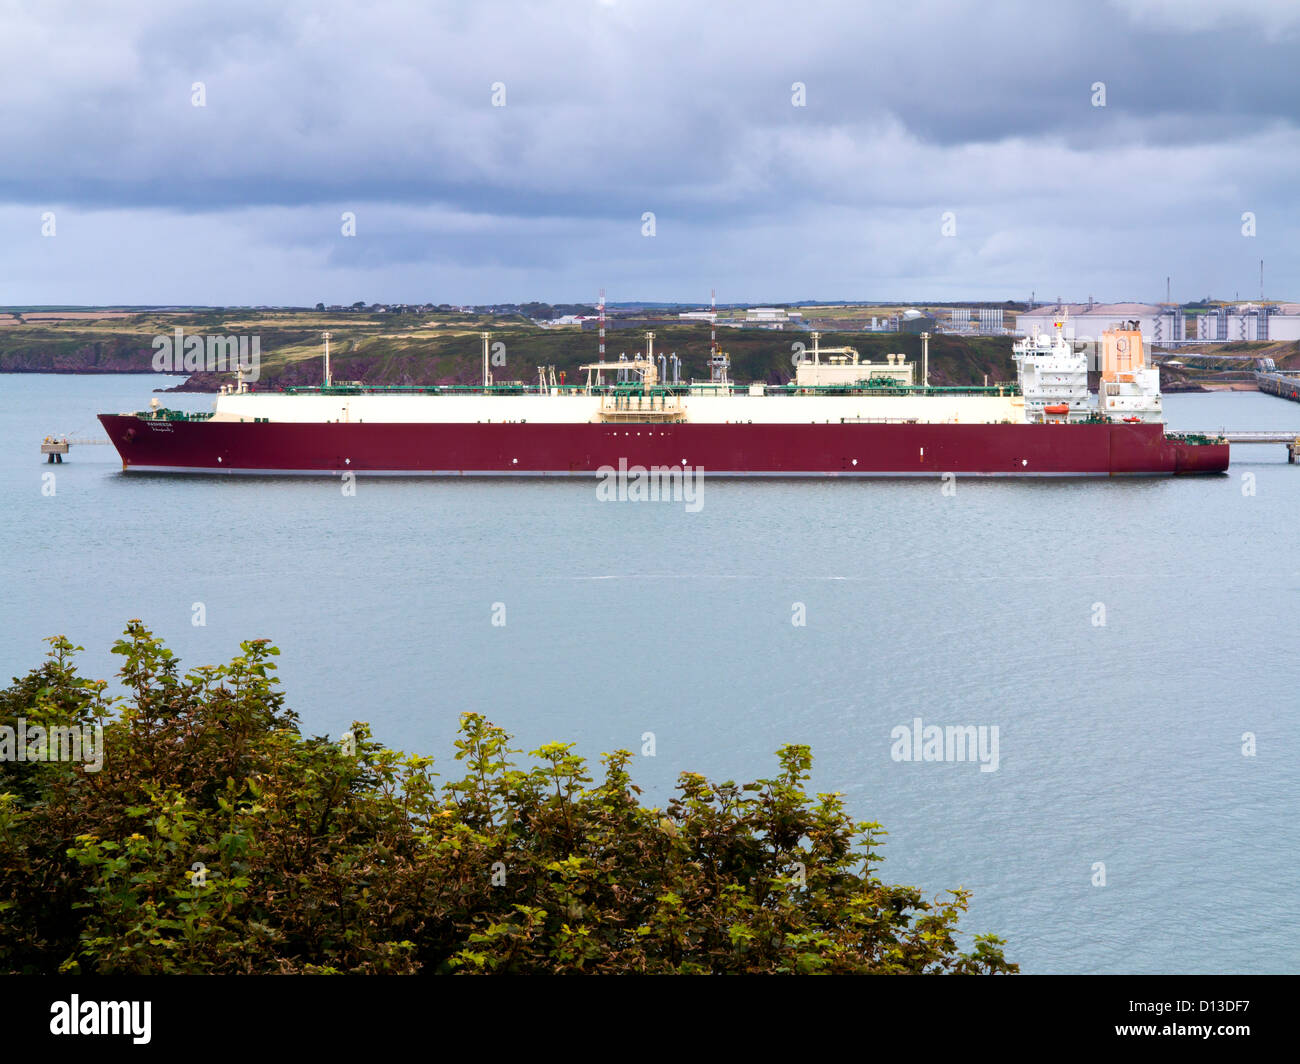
x,y
943,150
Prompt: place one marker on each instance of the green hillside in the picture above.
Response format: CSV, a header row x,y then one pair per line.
x,y
445,348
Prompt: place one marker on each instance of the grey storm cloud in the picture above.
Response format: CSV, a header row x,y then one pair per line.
x,y
620,107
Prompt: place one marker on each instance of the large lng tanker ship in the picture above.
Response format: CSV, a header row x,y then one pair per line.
x,y
840,416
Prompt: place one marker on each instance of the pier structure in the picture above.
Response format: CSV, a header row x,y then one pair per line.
x,y
1277,382
55,447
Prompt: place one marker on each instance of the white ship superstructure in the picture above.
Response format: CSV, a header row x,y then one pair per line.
x,y
1053,377
1130,388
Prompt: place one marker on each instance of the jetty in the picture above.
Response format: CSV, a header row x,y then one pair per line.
x,y
55,447
1278,382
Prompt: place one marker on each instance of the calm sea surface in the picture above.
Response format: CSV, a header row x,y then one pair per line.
x,y
1119,743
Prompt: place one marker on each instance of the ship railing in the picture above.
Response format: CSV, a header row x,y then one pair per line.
x,y
879,421
505,388
992,390
164,414
1199,439
671,389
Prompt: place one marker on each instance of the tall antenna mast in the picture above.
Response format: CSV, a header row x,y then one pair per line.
x,y
487,373
718,362
602,326
713,321
327,359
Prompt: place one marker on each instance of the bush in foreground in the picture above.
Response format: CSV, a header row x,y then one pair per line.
x,y
217,839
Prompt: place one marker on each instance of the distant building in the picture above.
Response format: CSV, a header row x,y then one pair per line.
x,y
1164,324
1249,322
1087,321
771,318
914,321
986,320
1284,322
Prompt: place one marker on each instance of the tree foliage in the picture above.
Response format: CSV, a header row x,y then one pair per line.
x,y
216,838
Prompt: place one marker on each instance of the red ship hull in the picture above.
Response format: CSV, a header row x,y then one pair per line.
x,y
451,449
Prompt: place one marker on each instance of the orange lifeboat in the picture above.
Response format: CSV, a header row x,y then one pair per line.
x,y
1057,408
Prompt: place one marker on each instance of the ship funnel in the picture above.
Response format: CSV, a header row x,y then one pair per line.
x,y
1122,351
